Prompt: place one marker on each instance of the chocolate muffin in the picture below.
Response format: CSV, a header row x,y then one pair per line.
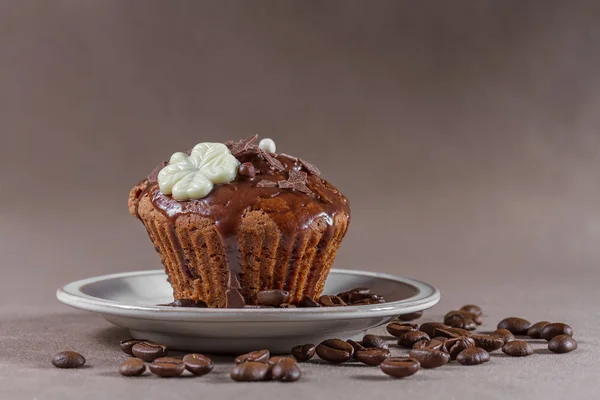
x,y
239,210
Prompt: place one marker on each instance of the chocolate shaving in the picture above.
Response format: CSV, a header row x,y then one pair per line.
x,y
234,299
310,168
232,281
295,159
297,181
243,145
153,177
265,184
275,163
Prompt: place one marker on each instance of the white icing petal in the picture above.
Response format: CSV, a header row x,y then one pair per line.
x,y
267,145
194,185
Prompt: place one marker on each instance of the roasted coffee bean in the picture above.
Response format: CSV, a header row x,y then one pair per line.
x,y
285,369
68,359
127,345
448,333
250,371
275,359
505,334
429,358
198,364
517,348
436,343
473,309
254,356
400,367
132,367
421,344
247,169
374,341
189,303
411,316
149,351
304,352
287,305
372,355
488,342
167,367
517,326
410,338
272,297
308,301
335,351
357,346
428,327
562,344
457,345
331,301
460,319
473,356
366,302
536,329
398,329
557,328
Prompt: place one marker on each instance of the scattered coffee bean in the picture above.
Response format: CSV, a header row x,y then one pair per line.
x,y
132,367
149,351
536,329
357,346
410,338
272,297
505,334
473,356
488,342
429,358
372,355
167,367
448,333
287,305
428,327
254,356
285,370
127,345
68,359
250,371
398,329
335,351
189,303
308,301
557,328
461,319
421,344
304,352
455,346
374,341
331,301
411,316
198,364
473,309
247,169
517,348
400,367
366,302
436,343
562,344
517,326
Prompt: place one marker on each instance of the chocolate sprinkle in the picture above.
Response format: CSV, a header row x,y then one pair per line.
x,y
243,145
265,184
310,168
275,163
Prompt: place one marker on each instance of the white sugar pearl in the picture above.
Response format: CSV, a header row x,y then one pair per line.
x,y
267,145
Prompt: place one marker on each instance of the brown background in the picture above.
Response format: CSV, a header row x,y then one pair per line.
x,y
465,134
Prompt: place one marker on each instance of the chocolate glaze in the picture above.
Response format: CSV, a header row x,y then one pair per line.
x,y
226,204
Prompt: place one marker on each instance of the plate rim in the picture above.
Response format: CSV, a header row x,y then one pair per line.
x,y
72,295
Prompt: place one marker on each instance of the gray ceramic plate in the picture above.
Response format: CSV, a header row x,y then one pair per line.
x,y
130,300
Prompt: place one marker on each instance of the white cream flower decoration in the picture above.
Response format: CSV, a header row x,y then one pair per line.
x,y
194,176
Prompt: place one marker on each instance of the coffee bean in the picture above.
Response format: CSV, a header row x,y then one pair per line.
x,y
517,326
189,303
132,367
372,355
436,343
429,358
488,342
461,319
272,297
455,346
428,327
557,328
127,345
149,351
517,348
473,356
335,351
562,344
68,359
358,298
411,316
198,364
355,294
167,367
473,309
410,338
247,169
254,356
400,367
285,369
536,329
421,344
331,301
304,352
308,301
250,371
366,302
505,334
357,346
374,341
451,333
287,305
398,329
